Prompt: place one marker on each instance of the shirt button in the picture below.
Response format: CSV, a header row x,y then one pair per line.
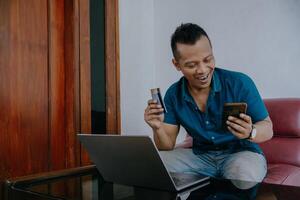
x,y
212,137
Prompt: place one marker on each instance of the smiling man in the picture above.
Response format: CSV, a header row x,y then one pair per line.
x,y
196,103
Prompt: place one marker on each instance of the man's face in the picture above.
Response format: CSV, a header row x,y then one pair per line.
x,y
196,62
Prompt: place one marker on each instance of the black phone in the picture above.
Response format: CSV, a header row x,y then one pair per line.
x,y
232,109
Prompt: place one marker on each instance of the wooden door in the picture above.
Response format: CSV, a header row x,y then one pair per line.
x,y
45,83
24,87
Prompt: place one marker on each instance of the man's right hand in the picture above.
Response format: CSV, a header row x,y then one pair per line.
x,y
154,115
164,134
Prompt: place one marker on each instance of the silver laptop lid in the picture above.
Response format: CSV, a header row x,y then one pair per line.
x,y
128,160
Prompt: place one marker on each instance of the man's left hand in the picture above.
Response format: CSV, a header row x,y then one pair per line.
x,y
240,127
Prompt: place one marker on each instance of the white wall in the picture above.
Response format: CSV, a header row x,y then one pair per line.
x,y
136,62
259,38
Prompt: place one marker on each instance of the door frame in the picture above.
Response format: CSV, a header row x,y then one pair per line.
x,y
112,72
112,67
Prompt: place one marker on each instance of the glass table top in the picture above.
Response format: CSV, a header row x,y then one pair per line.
x,y
85,183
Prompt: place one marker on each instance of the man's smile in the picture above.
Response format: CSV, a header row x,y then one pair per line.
x,y
203,78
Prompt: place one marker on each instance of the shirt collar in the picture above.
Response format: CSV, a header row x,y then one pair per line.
x,y
184,90
216,87
216,83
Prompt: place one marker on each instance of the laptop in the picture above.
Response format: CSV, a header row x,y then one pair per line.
x,y
135,161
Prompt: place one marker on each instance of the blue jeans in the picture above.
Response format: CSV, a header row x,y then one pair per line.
x,y
244,168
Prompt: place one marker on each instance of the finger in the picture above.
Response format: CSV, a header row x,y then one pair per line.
x,y
151,117
155,111
236,127
147,109
240,131
154,106
152,101
238,121
234,132
246,118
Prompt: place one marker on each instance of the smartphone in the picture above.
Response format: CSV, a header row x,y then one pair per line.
x,y
156,95
232,109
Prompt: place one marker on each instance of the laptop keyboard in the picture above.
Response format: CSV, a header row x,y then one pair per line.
x,y
181,179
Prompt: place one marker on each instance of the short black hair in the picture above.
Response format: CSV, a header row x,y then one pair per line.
x,y
187,33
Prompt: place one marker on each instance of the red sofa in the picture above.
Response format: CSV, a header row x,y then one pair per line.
x,y
283,150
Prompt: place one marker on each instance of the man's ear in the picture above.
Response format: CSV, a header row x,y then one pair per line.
x,y
176,64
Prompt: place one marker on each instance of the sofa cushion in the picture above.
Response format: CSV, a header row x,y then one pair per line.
x,y
282,150
283,174
293,179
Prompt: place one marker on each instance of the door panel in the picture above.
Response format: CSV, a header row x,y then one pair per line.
x,y
23,87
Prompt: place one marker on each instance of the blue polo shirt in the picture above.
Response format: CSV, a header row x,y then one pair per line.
x,y
206,127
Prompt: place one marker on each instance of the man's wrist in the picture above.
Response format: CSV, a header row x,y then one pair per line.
x,y
252,133
157,129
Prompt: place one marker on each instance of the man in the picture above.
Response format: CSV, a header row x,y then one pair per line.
x,y
196,103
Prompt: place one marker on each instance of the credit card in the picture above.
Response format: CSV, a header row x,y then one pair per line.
x,y
156,95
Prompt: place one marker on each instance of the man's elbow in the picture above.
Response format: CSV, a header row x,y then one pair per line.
x,y
271,132
165,147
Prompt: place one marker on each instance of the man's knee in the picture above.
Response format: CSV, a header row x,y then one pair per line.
x,y
246,168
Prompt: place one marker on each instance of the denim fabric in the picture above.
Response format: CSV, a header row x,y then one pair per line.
x,y
244,168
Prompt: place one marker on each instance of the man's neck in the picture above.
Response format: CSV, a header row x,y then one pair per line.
x,y
198,92
200,97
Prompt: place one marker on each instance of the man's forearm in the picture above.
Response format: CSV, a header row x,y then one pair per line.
x,y
264,131
162,139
